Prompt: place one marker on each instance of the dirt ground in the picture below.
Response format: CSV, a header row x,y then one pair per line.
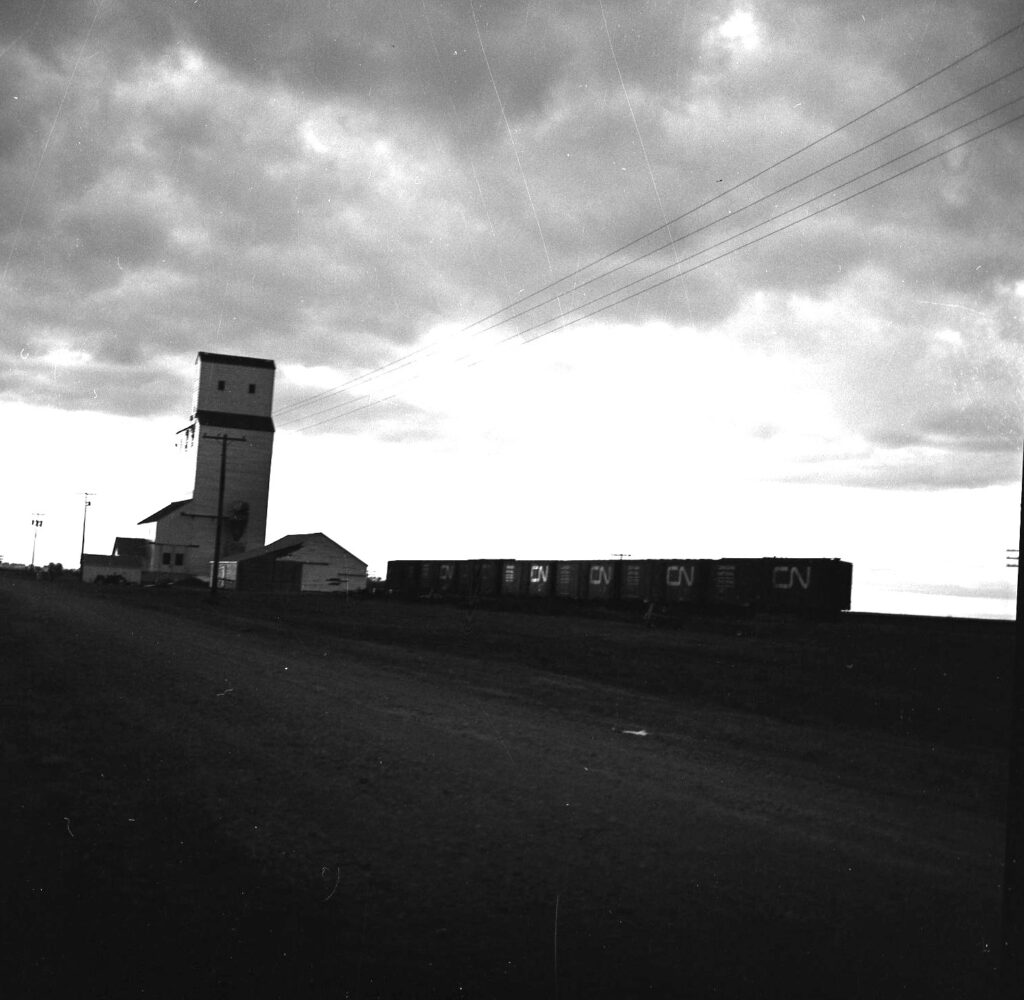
x,y
369,799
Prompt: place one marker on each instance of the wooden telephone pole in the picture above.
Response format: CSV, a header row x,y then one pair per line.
x,y
1011,964
224,440
85,512
37,523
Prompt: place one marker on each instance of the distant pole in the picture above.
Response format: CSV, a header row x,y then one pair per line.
x,y
37,523
85,511
224,439
1012,950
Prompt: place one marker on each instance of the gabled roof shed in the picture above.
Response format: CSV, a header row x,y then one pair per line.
x,y
307,563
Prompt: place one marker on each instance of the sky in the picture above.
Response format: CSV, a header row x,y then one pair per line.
x,y
540,280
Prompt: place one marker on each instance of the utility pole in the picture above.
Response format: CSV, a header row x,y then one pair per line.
x,y
85,511
1011,966
224,439
617,592
37,523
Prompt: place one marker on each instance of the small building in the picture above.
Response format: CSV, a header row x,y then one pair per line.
x,y
310,563
111,569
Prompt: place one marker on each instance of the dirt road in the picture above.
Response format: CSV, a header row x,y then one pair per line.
x,y
221,809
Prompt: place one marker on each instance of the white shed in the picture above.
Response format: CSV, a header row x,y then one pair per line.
x,y
308,563
110,569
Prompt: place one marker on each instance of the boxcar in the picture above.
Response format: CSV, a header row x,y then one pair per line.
x,y
512,578
602,578
769,584
540,578
811,585
571,580
403,577
678,581
775,584
480,577
636,579
448,578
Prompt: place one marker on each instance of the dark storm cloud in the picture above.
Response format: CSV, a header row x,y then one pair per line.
x,y
101,240
412,54
322,182
111,385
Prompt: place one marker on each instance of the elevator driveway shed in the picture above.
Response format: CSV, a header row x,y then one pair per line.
x,y
111,569
296,563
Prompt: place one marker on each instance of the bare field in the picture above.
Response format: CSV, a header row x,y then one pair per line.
x,y
314,797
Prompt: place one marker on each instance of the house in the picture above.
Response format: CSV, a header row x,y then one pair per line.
x,y
296,563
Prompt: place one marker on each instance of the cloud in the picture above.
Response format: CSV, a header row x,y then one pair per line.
x,y
930,411
1005,590
909,468
327,184
739,33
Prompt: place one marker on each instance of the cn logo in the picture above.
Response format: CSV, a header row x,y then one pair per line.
x,y
600,574
787,577
680,576
539,574
447,571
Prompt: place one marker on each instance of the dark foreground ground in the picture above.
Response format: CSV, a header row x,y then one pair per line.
x,y
363,799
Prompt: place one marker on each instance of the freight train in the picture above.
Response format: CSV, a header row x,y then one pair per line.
x,y
801,586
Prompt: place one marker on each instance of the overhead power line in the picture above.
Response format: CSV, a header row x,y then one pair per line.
x,y
761,173
391,367
789,225
777,191
350,406
408,359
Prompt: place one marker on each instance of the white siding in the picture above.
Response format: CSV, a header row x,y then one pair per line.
x,y
223,387
326,566
246,480
131,574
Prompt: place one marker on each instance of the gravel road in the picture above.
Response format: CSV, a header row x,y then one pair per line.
x,y
209,808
